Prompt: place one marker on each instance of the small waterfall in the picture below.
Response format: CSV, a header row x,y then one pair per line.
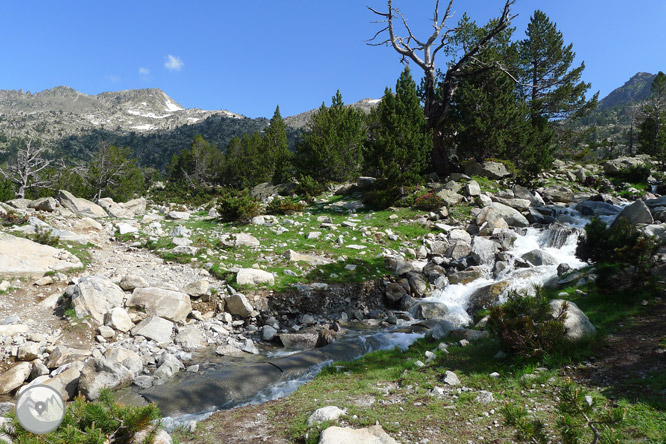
x,y
556,236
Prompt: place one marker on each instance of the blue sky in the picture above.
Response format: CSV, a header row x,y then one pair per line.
x,y
248,56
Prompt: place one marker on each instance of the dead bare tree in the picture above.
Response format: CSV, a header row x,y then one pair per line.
x,y
423,53
24,172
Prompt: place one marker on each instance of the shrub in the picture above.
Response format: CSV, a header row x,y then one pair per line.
x,y
525,326
635,173
381,197
429,202
237,206
621,250
284,206
309,187
45,237
11,217
97,422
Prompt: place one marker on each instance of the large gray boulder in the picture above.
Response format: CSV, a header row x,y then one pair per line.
x,y
238,305
614,166
67,381
190,338
492,170
576,323
328,413
596,208
345,435
100,373
168,304
62,355
118,319
129,209
252,276
636,213
14,377
237,240
23,258
429,310
449,197
486,296
155,328
539,257
79,206
510,215
44,204
558,194
483,251
94,296
125,357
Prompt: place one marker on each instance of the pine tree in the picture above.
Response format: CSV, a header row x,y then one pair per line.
x,y
400,141
277,149
487,117
652,136
553,90
332,146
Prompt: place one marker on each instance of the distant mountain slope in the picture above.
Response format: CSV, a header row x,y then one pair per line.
x,y
155,126
636,89
612,119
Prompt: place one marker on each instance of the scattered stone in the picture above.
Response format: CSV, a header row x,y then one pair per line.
x,y
99,373
94,296
118,319
197,289
328,413
251,276
299,340
20,257
127,358
190,338
62,355
451,378
492,170
576,323
539,257
131,281
268,333
81,207
636,213
485,397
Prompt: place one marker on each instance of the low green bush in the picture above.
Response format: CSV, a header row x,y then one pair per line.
x,y
284,206
238,206
309,187
98,422
635,174
621,252
45,237
381,197
524,325
11,217
429,202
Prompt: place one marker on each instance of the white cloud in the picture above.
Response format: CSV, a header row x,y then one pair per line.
x,y
144,71
112,78
173,63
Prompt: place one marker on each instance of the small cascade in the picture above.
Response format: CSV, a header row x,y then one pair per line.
x,y
556,236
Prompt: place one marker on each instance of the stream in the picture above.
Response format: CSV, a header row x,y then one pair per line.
x,y
224,383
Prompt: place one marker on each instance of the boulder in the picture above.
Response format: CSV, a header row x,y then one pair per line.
x,y
168,304
293,256
576,323
178,215
125,357
510,215
23,258
636,213
472,188
492,170
28,351
345,435
190,338
268,333
155,328
239,240
328,413
62,355
429,310
365,182
14,377
118,319
263,191
94,296
238,305
596,208
168,365
449,197
614,166
67,381
539,257
300,340
459,250
44,204
466,276
558,194
483,251
197,289
131,281
417,283
518,204
100,373
80,207
252,276
486,296
394,292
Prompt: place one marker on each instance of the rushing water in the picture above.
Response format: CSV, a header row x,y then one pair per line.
x,y
560,242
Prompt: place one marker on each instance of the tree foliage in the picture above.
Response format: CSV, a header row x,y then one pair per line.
x,y
277,149
399,140
652,131
332,146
